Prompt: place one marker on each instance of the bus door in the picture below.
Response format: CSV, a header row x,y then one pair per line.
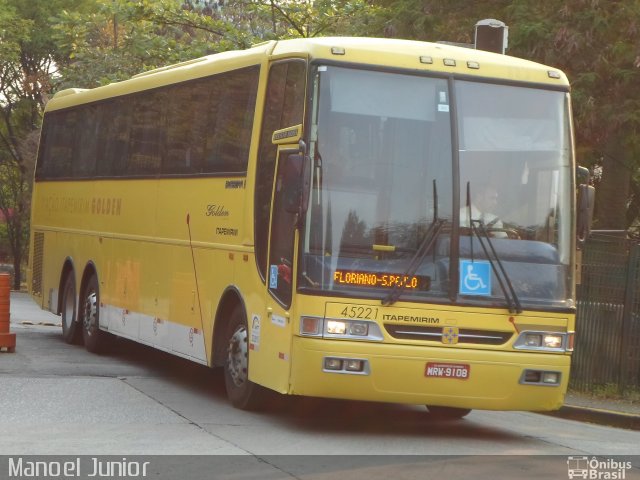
x,y
284,220
277,325
271,330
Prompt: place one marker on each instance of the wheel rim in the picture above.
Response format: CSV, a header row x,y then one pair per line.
x,y
90,319
237,356
69,307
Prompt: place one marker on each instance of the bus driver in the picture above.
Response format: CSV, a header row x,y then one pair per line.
x,y
484,201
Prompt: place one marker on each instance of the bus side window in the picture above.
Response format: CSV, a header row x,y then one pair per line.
x,y
187,107
44,163
60,142
233,121
84,164
114,138
146,142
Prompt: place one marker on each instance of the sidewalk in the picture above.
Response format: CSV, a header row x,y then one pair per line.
x,y
24,311
602,411
581,407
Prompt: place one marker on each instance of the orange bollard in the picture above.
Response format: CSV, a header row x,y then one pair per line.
x,y
7,340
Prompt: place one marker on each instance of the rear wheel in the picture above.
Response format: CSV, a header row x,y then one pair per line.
x,y
242,392
447,413
71,330
94,339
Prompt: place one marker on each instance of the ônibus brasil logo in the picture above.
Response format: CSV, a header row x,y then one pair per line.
x,y
597,469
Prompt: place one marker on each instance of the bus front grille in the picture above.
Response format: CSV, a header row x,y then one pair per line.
x,y
435,334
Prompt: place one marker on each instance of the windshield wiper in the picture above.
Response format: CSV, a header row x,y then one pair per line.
x,y
478,227
425,247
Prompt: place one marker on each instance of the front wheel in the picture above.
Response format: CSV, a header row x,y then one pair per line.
x,y
447,413
242,392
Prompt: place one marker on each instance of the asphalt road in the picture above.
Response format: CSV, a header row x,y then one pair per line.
x,y
57,399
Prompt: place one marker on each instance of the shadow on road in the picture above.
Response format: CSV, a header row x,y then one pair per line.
x,y
313,415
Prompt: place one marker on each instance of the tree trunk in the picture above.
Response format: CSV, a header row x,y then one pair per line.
x,y
17,273
16,242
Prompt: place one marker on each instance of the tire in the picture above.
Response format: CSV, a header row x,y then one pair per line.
x,y
242,392
94,339
447,413
71,329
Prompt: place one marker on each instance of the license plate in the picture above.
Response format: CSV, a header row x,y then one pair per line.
x,y
447,370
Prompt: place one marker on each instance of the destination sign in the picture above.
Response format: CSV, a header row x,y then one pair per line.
x,y
381,280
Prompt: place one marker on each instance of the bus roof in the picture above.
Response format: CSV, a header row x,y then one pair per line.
x,y
425,56
393,53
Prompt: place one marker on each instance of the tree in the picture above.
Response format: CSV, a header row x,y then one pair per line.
x,y
121,38
15,201
24,61
314,18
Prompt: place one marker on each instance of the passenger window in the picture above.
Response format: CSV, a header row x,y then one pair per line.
x,y
231,120
146,144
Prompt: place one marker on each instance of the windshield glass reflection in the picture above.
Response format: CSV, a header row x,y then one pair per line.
x,y
515,171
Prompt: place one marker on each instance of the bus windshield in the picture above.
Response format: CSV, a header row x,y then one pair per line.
x,y
391,153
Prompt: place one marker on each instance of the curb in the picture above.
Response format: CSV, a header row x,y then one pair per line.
x,y
628,421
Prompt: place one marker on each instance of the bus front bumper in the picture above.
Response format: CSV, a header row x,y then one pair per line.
x,y
495,380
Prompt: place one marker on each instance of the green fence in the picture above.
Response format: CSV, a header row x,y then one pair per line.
x,y
607,348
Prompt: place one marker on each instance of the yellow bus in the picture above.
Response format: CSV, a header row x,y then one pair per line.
x,y
306,215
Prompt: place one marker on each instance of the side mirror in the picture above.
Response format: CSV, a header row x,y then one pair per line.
x,y
296,181
585,205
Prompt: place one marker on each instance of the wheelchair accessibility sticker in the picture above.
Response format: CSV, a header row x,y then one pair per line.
x,y
475,277
273,276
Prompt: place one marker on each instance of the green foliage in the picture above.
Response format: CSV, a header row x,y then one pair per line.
x,y
122,37
13,31
14,205
433,20
27,57
308,18
596,43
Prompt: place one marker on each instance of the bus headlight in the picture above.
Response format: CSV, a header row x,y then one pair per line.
x,y
359,328
340,329
552,341
532,340
336,327
546,341
352,330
